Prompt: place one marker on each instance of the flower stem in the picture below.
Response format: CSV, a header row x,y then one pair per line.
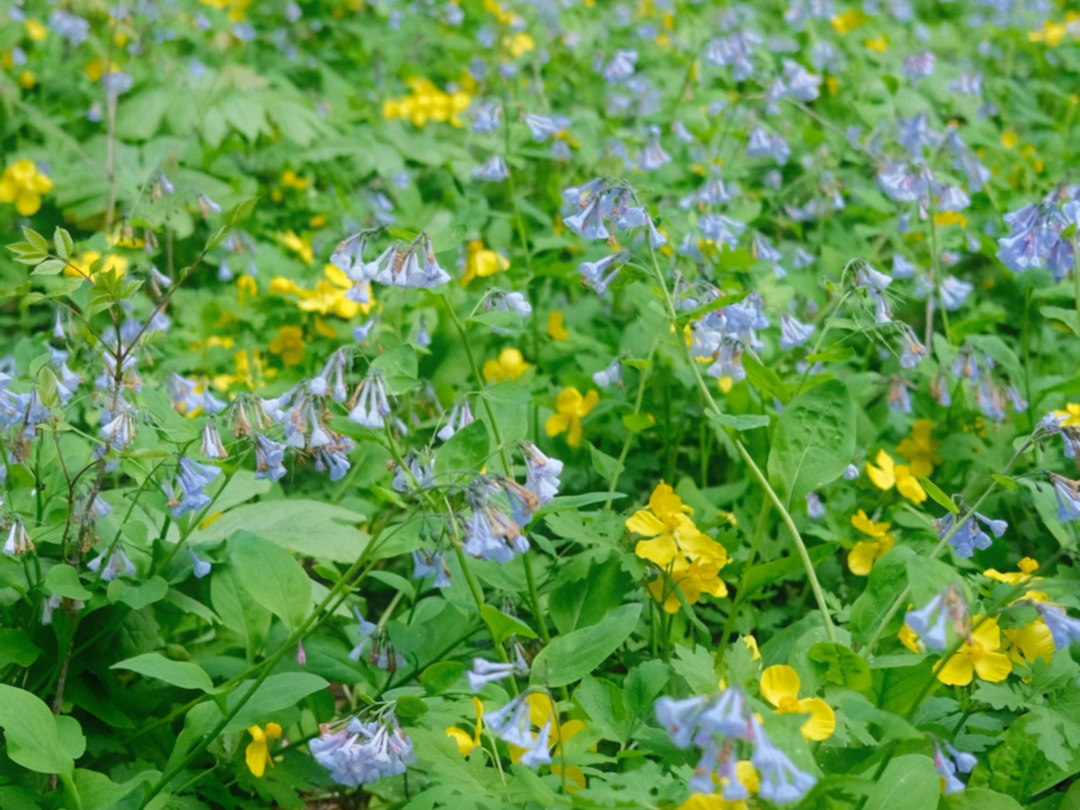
x,y
785,515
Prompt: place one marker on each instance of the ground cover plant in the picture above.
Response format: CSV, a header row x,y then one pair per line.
x,y
668,404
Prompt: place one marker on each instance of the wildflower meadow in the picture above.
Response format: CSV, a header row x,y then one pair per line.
x,y
482,404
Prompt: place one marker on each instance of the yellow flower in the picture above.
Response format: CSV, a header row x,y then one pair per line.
x,y
258,750
35,30
1070,417
947,218
291,179
555,327
541,710
1009,139
465,743
979,656
780,686
481,263
691,560
27,81
847,22
748,778
289,345
571,407
427,103
866,552
519,44
1026,644
910,639
80,267
920,449
301,247
23,185
877,45
328,298
510,366
1026,566
887,474
245,286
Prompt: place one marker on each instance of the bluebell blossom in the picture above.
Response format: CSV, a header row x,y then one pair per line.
x,y
490,535
901,267
119,431
868,278
851,472
364,631
919,66
372,406
593,272
97,508
914,351
714,192
487,117
511,723
560,151
18,541
680,718
200,567
793,333
192,479
211,446
915,135
1033,232
815,509
538,754
420,475
990,399
363,753
1067,493
543,127
721,230
208,206
763,144
612,375
965,160
930,622
427,564
410,267
952,198
484,672
460,418
954,292
1064,629
824,56
801,84
493,171
269,459
334,458
653,155
899,398
763,251
682,135
588,222
734,51
541,473
946,769
69,27
781,781
620,68
900,183
66,380
112,565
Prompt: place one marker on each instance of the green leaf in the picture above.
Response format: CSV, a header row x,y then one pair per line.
x,y
696,668
184,674
16,648
62,243
908,783
50,267
410,708
814,440
466,451
399,369
63,580
503,626
765,379
1065,316
835,355
575,604
240,212
510,321
638,422
139,595
775,571
276,693
35,239
841,666
31,733
607,467
395,581
1005,482
746,421
719,303
983,799
934,491
439,677
272,577
571,657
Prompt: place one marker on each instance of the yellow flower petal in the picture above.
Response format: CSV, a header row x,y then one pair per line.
x,y
822,722
646,523
957,671
883,475
861,558
779,682
992,666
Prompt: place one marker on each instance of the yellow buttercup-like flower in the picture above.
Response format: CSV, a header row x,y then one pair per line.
x,y
1024,645
465,743
35,30
257,754
920,449
329,296
1027,567
1070,417
571,408
428,103
866,552
780,686
510,366
979,656
23,185
298,245
555,328
288,345
481,262
888,474
80,267
748,778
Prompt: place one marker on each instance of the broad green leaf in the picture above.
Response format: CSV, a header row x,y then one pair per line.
x,y
983,799
238,612
575,604
63,580
399,369
466,450
30,731
776,571
571,657
908,783
839,665
49,267
184,674
439,677
503,626
139,595
765,380
272,577
410,708
276,693
746,421
16,648
607,467
395,581
814,440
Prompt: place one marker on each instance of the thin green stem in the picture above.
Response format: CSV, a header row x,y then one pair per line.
x,y
781,508
736,603
644,379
